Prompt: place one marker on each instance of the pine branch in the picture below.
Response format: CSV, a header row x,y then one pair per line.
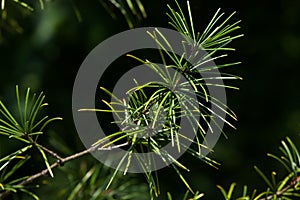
x,y
50,152
280,193
60,162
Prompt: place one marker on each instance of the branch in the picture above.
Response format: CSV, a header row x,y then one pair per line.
x,y
52,153
59,162
291,184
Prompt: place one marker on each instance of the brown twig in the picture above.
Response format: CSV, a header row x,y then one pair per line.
x,y
59,162
291,184
50,152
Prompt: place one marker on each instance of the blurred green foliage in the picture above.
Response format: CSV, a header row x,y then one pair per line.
x,y
48,53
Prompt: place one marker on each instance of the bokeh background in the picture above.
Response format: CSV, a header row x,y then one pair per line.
x,y
53,44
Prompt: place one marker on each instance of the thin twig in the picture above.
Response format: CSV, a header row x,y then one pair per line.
x,y
50,152
59,162
291,184
112,147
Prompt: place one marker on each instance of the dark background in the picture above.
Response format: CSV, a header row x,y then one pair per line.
x,y
47,55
